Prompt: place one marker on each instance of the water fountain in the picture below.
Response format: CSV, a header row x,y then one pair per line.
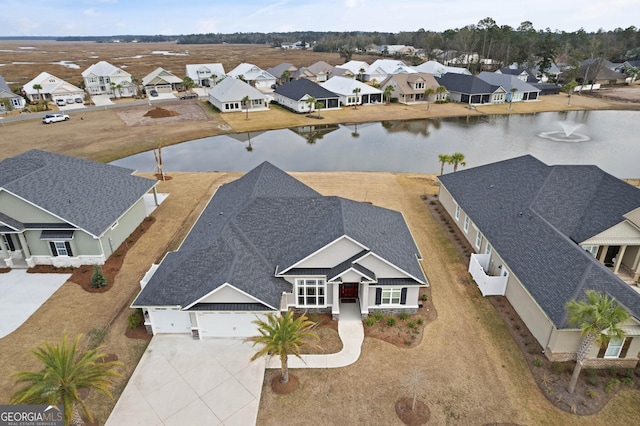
x,y
567,134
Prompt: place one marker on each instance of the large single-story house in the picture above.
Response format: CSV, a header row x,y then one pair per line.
x,y
321,71
102,78
544,235
469,89
255,76
279,71
65,211
267,243
205,75
355,68
13,100
523,91
380,69
410,88
295,95
344,87
437,69
228,96
52,88
161,80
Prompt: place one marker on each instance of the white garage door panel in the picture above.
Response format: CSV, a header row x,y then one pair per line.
x,y
170,321
227,324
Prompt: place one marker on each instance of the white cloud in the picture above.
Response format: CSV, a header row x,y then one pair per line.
x,y
354,3
90,12
205,26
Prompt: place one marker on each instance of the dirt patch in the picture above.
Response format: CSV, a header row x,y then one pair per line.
x,y
412,417
161,113
327,331
140,332
284,388
5,270
400,330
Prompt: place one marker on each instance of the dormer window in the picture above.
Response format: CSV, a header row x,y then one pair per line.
x,y
419,85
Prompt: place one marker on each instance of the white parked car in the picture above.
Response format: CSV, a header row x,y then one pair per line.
x,y
60,102
52,118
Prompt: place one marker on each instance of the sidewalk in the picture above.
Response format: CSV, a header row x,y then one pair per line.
x,y
351,332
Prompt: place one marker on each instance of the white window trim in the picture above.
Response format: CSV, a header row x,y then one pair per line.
x,y
457,216
466,224
391,295
63,248
488,249
320,283
618,345
479,240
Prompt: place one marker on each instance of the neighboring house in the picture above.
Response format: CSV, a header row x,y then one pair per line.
x,y
105,79
162,81
599,71
523,91
65,211
14,100
255,76
228,94
543,236
410,88
523,74
391,49
355,68
53,88
280,69
205,75
321,71
295,95
383,68
437,69
267,243
344,87
469,89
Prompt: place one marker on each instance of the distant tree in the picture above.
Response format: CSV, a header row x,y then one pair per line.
x,y
547,51
441,90
427,95
188,83
457,158
387,92
361,74
45,104
632,72
214,78
513,93
311,101
569,88
443,159
285,77
241,77
346,53
356,92
245,104
598,317
38,88
119,87
319,105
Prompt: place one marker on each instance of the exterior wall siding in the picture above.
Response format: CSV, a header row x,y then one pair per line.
x,y
333,255
23,211
127,223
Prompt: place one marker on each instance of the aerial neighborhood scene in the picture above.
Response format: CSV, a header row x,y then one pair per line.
x,y
345,212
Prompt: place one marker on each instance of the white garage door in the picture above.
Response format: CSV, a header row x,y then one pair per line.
x,y
170,321
227,324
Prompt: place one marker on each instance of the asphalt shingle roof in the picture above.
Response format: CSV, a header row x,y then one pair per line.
x,y
86,194
268,221
468,84
297,89
530,212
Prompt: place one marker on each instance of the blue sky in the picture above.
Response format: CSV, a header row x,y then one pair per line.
x,y
109,17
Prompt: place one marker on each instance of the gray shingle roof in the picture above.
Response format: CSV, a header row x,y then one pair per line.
x,y
530,212
467,84
268,221
86,194
297,89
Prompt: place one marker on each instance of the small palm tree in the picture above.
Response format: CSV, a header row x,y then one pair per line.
x,y
569,87
38,88
311,101
66,371
356,92
387,93
513,93
188,83
283,336
457,158
285,77
442,159
441,91
245,104
427,94
598,317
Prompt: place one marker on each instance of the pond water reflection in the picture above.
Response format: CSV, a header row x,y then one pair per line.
x,y
413,146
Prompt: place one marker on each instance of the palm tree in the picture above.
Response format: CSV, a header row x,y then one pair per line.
x,y
457,158
245,104
356,92
188,83
598,317
113,87
442,159
285,77
281,336
45,104
427,94
387,93
319,105
441,90
38,87
513,93
311,101
66,371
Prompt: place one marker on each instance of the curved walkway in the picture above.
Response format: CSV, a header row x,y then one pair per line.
x,y
351,332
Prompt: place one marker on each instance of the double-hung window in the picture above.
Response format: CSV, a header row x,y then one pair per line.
x,y
478,240
466,224
457,211
614,348
391,296
310,292
60,248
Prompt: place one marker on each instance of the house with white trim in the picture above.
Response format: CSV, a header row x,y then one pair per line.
x,y
103,78
205,75
162,81
267,243
228,96
65,211
410,88
14,100
295,96
544,235
380,69
52,89
353,92
255,76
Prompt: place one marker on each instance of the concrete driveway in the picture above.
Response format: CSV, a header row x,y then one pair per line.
x,y
182,381
101,100
21,294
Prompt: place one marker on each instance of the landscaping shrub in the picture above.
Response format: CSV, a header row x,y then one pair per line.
x,y
370,321
403,316
411,324
537,362
613,383
424,297
378,316
592,394
98,280
391,321
134,319
420,321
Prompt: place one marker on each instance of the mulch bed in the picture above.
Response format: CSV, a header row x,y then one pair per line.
x,y
419,416
284,388
594,388
82,275
5,270
161,113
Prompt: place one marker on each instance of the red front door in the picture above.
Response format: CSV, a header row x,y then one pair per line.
x,y
349,290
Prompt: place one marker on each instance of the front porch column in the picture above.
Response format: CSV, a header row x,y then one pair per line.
x,y
364,300
636,263
25,250
5,250
619,257
603,254
335,308
155,196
